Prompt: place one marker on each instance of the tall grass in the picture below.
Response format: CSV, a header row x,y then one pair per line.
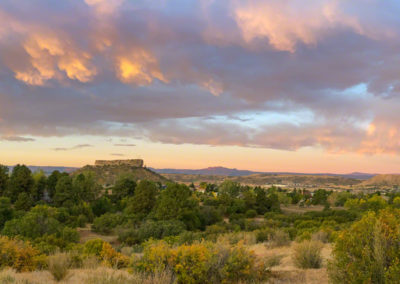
x,y
307,254
58,265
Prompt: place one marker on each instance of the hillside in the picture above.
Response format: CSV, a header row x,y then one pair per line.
x,y
288,180
383,180
108,174
222,171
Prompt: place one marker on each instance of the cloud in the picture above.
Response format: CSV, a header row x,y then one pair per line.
x,y
140,68
17,139
125,145
117,155
272,74
287,23
80,146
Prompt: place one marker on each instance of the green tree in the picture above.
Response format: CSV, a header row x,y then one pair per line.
x,y
261,200
144,198
101,206
21,180
52,182
3,179
85,187
39,221
176,202
39,186
24,202
64,191
6,210
124,187
369,251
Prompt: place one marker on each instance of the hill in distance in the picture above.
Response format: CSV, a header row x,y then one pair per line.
x,y
107,172
383,180
49,169
222,171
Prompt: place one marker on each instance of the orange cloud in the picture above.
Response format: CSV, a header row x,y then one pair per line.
x,y
139,68
48,56
289,22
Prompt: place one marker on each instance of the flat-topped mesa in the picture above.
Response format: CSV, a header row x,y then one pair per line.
x,y
133,163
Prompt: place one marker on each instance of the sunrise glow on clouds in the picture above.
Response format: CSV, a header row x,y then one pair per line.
x,y
282,85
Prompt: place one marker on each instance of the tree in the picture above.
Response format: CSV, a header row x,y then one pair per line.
x,y
39,221
369,251
85,187
6,211
39,186
3,179
143,199
261,200
20,181
101,206
64,191
176,202
124,187
24,202
52,182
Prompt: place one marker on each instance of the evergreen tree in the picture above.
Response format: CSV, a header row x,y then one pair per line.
x,y
3,179
21,180
143,199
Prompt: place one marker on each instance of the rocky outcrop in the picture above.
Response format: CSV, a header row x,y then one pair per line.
x,y
132,163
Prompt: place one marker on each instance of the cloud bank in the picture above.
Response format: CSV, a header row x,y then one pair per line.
x,y
271,74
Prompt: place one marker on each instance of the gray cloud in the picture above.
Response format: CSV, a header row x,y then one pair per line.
x,y
125,145
135,70
80,146
17,139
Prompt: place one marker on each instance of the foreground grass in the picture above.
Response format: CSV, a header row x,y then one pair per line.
x,y
284,271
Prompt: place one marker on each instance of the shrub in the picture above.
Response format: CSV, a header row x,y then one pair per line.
x,y
191,263
112,258
93,247
279,238
369,251
105,253
152,229
307,254
58,265
263,235
19,255
251,213
202,262
239,265
106,223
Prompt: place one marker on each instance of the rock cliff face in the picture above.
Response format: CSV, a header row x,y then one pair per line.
x,y
132,163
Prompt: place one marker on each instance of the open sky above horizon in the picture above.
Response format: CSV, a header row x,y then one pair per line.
x,y
279,85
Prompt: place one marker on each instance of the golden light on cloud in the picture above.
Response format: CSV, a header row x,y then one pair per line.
x,y
213,87
77,69
141,68
48,56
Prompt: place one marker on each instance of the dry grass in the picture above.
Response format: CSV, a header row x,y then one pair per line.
x,y
58,265
85,234
101,275
307,254
287,272
283,273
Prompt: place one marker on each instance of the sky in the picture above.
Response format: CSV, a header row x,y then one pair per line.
x,y
278,85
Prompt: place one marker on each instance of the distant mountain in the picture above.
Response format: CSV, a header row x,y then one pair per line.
x,y
222,171
49,169
215,171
